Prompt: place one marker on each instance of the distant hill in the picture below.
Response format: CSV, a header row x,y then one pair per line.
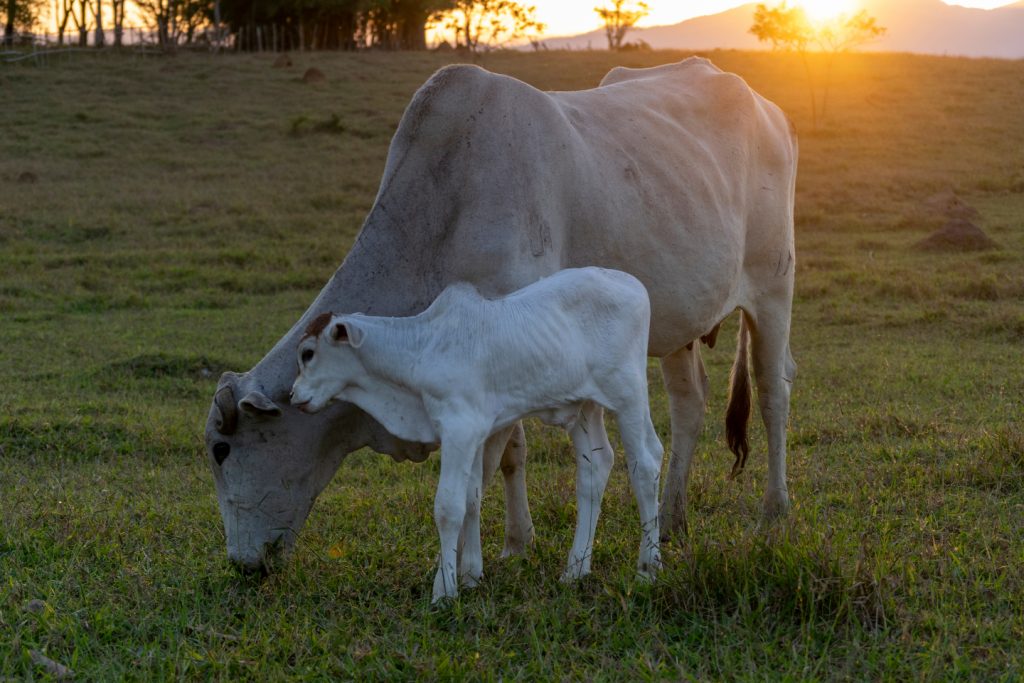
x,y
923,26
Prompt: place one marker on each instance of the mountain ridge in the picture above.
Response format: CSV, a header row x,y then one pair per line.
x,y
920,26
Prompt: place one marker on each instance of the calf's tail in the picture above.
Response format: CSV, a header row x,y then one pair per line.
x,y
737,413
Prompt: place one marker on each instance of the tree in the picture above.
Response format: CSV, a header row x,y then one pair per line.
x,y
789,28
20,14
62,10
486,24
100,36
80,16
619,16
176,21
118,18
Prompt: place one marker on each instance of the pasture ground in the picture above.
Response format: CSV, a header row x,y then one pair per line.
x,y
164,219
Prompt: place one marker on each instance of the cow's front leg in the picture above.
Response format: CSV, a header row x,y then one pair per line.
x,y
471,558
506,449
594,459
458,458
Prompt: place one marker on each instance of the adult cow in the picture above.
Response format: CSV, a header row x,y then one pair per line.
x,y
679,174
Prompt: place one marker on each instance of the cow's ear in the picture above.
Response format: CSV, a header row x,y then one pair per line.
x,y
347,332
259,404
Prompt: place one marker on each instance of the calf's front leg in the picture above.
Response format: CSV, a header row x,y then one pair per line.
x,y
471,557
459,449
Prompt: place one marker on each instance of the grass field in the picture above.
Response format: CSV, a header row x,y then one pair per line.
x,y
164,219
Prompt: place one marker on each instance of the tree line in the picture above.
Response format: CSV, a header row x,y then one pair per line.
x,y
472,25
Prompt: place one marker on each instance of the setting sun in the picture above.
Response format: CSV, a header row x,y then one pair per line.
x,y
826,10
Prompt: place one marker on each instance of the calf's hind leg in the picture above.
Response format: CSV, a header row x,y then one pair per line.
x,y
643,460
594,459
471,559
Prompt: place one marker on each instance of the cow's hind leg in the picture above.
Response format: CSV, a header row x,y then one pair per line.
x,y
774,371
594,459
518,523
687,386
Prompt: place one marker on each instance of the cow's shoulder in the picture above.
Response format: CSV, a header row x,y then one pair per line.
x,y
453,98
689,67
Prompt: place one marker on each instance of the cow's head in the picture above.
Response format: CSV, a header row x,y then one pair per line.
x,y
327,361
271,461
269,464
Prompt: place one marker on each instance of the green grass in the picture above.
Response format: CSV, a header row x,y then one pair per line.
x,y
183,213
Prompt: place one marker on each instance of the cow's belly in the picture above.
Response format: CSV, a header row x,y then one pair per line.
x,y
691,290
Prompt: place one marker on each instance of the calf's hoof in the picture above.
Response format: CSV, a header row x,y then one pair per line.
x,y
445,587
471,580
576,570
647,569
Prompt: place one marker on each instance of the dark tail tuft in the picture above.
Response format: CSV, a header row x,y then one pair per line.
x,y
737,414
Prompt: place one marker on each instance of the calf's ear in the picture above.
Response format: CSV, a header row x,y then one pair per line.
x,y
349,333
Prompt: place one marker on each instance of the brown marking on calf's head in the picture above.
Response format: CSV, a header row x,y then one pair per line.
x,y
318,324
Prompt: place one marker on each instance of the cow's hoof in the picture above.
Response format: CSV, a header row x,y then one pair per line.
x,y
673,527
517,544
775,506
515,548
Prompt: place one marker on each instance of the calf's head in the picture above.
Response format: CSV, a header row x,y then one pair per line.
x,y
327,361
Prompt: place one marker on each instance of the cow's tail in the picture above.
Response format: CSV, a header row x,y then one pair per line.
x,y
737,414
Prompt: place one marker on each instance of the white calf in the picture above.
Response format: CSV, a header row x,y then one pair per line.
x,y
468,367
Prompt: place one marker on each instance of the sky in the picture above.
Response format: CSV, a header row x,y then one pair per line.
x,y
567,17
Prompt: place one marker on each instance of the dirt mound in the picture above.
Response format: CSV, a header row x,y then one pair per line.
x,y
313,75
957,235
949,205
283,61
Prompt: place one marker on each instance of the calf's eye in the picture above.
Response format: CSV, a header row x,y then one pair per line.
x,y
307,355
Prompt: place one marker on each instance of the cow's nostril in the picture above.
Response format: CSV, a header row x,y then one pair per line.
x,y
221,451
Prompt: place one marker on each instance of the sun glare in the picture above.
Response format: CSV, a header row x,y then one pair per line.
x,y
826,10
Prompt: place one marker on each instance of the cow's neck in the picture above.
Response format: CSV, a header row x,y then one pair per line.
x,y
387,272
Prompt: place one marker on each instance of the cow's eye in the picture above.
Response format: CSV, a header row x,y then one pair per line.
x,y
307,355
221,451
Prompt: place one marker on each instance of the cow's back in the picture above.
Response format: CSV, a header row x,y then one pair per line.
x,y
658,173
